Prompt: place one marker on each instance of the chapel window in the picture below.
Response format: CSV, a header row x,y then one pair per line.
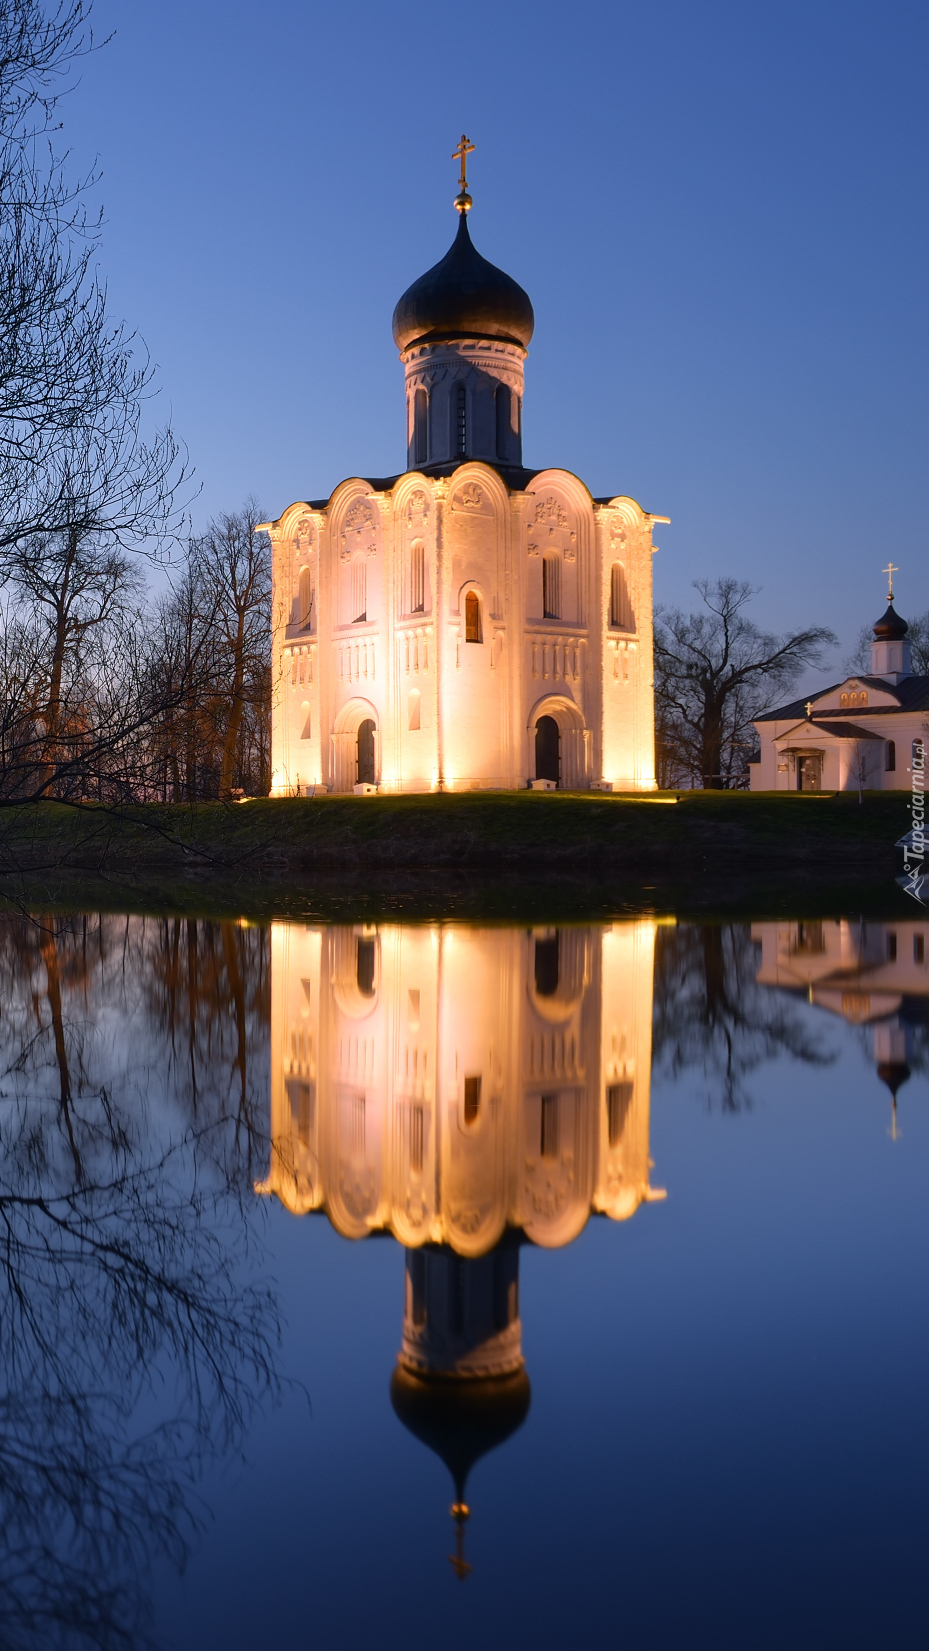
x,y
618,1099
364,967
502,410
472,617
417,577
890,757
417,1132
420,427
619,598
472,1099
359,589
891,948
919,948
414,710
305,596
461,421
416,1264
546,966
505,1290
302,1098
549,1132
551,585
456,1294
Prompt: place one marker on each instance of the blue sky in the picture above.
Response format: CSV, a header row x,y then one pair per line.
x,y
718,209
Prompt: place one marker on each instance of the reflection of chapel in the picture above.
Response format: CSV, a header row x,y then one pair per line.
x,y
470,622
468,1091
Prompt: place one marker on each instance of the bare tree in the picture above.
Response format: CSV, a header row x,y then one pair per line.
x,y
715,672
233,563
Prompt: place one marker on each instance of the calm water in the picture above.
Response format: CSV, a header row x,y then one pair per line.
x,y
424,1284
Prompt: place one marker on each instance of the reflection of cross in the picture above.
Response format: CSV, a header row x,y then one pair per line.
x,y
461,153
890,570
460,1513
808,707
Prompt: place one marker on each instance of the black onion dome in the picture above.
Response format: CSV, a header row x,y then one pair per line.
x,y
890,627
463,294
460,1420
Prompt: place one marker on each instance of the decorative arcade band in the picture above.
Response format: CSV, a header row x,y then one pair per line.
x,y
467,1091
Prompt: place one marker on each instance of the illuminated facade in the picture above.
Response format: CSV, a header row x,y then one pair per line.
x,y
470,623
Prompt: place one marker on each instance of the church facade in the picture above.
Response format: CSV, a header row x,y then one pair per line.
x,y
868,732
470,622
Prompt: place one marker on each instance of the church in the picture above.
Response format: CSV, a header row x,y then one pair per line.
x,y
469,623
866,733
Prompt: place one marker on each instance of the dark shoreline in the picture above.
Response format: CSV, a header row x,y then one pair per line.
x,y
499,857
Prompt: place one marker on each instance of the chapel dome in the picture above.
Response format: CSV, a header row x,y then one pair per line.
x,y
463,294
890,627
460,1420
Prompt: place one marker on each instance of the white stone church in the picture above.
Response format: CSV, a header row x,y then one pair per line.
x,y
470,623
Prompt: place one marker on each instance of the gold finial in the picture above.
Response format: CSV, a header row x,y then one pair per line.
x,y
890,570
460,1513
463,199
808,707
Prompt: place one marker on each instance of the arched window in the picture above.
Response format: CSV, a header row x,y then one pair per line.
x,y
547,750
890,757
472,1099
365,960
502,403
366,762
305,599
417,577
551,585
546,965
472,617
359,589
618,1099
414,710
619,600
307,723
420,427
461,421
549,1132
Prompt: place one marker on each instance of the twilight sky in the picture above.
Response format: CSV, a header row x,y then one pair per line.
x,y
718,210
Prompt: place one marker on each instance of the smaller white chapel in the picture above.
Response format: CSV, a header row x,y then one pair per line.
x,y
864,732
469,623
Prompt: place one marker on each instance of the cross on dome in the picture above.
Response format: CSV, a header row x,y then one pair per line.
x,y
464,149
890,570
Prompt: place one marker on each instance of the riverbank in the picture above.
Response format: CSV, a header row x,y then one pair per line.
x,y
504,853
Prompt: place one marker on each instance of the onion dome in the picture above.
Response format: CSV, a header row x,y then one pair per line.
x,y
890,627
463,295
894,1074
461,1420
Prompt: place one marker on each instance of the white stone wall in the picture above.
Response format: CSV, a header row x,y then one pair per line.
x,y
350,644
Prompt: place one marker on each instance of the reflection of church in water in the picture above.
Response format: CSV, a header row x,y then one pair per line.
x,y
468,1091
872,974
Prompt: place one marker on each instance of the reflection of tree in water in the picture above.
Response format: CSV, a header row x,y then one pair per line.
x,y
134,1345
711,1015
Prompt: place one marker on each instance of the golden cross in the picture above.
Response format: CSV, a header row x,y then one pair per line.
x,y
808,707
890,570
461,153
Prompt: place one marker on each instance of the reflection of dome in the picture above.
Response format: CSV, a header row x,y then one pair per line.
x,y
890,627
894,1074
463,294
460,1420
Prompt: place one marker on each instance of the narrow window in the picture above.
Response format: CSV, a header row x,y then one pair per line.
x,y
308,724
891,948
364,968
305,599
551,586
472,1099
549,1138
416,1140
461,421
546,966
890,757
502,409
456,1294
504,1290
417,1275
919,948
420,426
414,710
417,577
413,1009
618,1097
302,1097
472,617
359,589
619,603
356,1124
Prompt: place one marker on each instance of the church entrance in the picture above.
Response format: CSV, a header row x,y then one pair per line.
x,y
809,773
547,749
366,774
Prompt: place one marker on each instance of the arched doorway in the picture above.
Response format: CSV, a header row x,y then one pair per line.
x,y
547,749
366,774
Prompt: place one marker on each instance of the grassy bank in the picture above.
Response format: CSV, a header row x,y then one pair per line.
x,y
504,851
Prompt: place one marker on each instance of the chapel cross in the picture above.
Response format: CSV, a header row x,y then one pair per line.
x,y
808,708
890,570
461,153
